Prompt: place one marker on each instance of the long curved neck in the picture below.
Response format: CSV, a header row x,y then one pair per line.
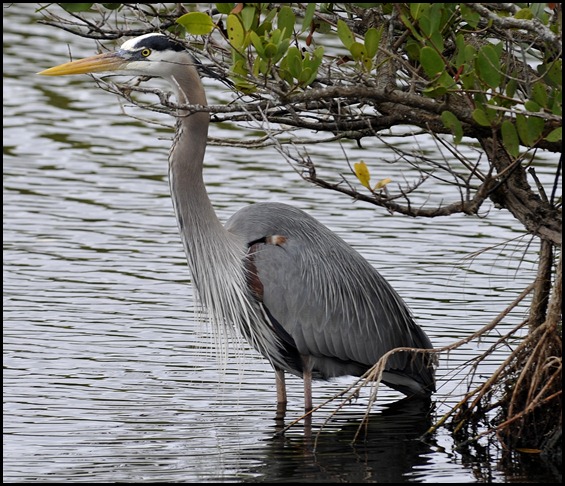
x,y
192,204
215,256
212,252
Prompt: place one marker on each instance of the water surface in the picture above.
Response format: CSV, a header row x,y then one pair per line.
x,y
108,374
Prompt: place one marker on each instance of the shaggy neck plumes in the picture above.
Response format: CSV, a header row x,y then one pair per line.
x,y
215,256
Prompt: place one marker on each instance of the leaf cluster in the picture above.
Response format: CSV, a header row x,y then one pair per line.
x,y
488,75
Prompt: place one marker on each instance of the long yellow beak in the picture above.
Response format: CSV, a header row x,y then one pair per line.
x,y
110,61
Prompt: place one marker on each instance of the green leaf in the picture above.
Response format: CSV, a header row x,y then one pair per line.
x,y
529,128
310,79
552,73
196,23
440,13
442,84
413,49
318,54
436,41
305,75
225,8
431,24
511,88
276,36
76,7
281,49
324,27
308,16
239,66
248,16
446,80
257,43
435,91
313,63
427,24
270,50
451,122
470,53
345,34
510,138
481,117
372,40
532,106
431,61
408,23
556,104
524,13
470,16
239,74
487,64
260,67
539,94
460,43
555,135
416,9
270,16
236,34
358,51
538,10
308,65
498,49
535,127
469,79
294,61
286,21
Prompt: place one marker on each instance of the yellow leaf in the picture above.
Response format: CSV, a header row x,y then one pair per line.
x,y
382,183
362,173
528,451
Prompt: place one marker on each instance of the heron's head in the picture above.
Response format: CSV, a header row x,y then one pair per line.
x,y
147,55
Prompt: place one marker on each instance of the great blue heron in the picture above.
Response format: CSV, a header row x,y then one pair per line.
x,y
304,298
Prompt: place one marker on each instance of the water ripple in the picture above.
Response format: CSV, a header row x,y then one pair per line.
x,y
108,374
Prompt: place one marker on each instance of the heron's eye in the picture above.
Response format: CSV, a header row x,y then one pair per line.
x,y
146,52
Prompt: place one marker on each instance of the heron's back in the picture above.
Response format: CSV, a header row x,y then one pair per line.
x,y
325,302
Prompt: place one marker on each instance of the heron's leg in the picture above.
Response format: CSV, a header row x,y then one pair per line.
x,y
281,397
307,376
281,386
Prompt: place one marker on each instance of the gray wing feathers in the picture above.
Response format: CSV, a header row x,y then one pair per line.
x,y
324,294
